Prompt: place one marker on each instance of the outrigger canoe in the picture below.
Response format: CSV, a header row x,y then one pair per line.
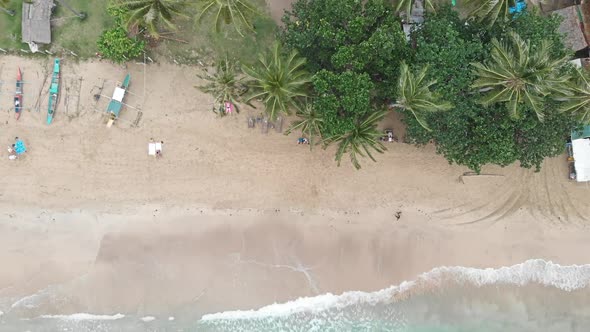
x,y
116,103
18,95
53,92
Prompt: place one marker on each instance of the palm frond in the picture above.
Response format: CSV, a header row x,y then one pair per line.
x,y
238,13
225,84
359,142
517,74
488,11
415,95
576,100
152,14
310,121
277,81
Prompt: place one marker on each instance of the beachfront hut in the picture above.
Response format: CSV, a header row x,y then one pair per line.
x,y
36,27
581,153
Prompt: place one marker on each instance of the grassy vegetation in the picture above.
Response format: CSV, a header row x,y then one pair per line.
x,y
190,44
69,33
201,43
194,42
10,27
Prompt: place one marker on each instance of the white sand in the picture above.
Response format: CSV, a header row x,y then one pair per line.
x,y
232,219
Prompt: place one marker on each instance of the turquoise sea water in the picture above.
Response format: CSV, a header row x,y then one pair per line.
x,y
532,296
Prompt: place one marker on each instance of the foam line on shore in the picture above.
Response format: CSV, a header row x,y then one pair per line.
x,y
534,271
84,316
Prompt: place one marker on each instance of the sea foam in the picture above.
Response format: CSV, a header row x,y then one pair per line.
x,y
84,316
535,271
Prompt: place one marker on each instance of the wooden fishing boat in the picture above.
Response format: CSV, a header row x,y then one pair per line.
x,y
18,95
53,92
116,103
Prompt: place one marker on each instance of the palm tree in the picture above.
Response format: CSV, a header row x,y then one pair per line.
x,y
488,10
225,84
277,80
517,74
406,6
577,102
310,121
236,12
152,14
359,141
415,95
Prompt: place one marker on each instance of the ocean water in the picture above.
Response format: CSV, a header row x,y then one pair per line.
x,y
533,296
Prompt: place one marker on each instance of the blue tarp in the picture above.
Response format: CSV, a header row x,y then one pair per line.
x,y
19,147
520,6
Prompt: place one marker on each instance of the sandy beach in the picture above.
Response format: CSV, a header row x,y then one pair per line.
x,y
231,218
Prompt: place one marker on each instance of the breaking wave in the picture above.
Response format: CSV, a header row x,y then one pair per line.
x,y
535,271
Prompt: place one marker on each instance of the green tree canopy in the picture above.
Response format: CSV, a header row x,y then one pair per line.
x,y
473,135
342,99
349,35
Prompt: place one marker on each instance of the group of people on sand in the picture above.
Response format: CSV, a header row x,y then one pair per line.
x,y
15,149
302,140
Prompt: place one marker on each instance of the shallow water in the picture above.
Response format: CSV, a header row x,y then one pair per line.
x,y
533,296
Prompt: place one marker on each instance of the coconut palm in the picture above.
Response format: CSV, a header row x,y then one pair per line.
x,y
415,95
152,14
406,6
516,74
277,80
236,12
488,11
577,102
360,141
224,84
310,121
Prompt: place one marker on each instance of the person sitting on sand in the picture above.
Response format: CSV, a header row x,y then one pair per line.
x,y
302,140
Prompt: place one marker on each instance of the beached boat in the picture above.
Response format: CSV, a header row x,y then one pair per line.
x,y
18,95
53,92
116,103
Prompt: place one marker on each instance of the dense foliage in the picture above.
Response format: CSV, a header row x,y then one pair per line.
x,y
342,99
471,134
355,48
115,45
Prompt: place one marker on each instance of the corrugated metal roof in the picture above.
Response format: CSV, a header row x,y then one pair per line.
x,y
36,19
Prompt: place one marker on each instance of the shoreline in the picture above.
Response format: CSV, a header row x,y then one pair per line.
x,y
233,219
216,262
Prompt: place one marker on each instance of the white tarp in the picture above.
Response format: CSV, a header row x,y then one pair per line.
x,y
118,95
581,148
